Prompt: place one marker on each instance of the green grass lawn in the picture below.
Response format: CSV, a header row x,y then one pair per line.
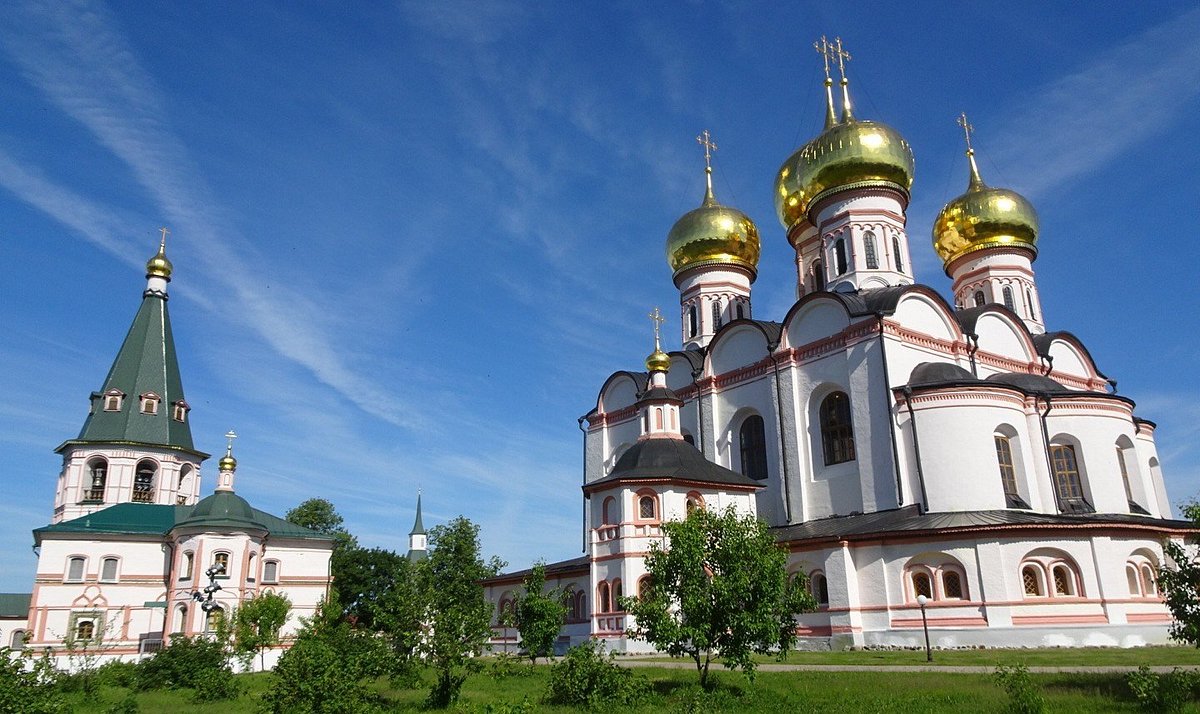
x,y
1054,657
674,691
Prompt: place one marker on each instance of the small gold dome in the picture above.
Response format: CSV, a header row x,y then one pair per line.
x,y
713,235
658,361
159,266
227,463
859,153
984,217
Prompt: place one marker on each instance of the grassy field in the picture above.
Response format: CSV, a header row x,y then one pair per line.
x,y
1055,657
674,691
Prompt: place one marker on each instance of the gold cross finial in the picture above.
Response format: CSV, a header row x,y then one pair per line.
x,y
658,319
825,49
967,129
842,56
705,140
230,435
162,245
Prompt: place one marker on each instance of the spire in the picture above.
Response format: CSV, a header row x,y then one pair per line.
x,y
842,58
976,183
825,49
705,140
417,542
418,527
227,465
141,400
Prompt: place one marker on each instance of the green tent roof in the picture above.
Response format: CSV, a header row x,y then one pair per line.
x,y
156,519
146,363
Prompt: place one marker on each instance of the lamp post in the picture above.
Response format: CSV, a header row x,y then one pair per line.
x,y
207,603
922,600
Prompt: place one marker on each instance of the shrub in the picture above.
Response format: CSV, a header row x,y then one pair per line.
x,y
190,663
117,673
128,705
324,670
1024,697
29,690
1163,692
505,665
588,677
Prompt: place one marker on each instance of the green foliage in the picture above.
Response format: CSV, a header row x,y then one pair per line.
x,y
539,615
1024,697
396,606
457,616
197,663
587,677
117,673
525,706
257,622
505,665
721,588
364,576
29,686
327,669
1164,693
1180,585
128,705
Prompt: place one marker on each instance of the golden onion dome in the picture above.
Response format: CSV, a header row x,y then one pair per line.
x,y
853,153
984,217
227,463
713,235
658,361
159,266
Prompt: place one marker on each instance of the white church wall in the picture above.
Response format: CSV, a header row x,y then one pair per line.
x,y
1094,430
820,318
1065,358
730,408
1000,335
921,313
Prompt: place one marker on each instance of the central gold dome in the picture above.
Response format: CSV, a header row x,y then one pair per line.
x,y
984,217
158,266
713,235
850,153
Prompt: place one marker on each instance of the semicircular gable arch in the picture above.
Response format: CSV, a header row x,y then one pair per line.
x,y
1001,332
620,390
736,345
813,317
917,310
1067,352
685,367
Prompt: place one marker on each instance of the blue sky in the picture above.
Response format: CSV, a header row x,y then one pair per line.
x,y
411,240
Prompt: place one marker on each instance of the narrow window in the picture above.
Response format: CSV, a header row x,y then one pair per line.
x,y
251,568
921,585
646,508
1149,586
17,640
108,570
143,482
1131,576
149,403
1066,478
694,503
271,571
820,588
1064,583
214,619
716,315
693,320
951,585
740,311
837,431
979,299
618,593
85,630
752,440
839,254
1032,309
75,570
1008,473
608,512
1008,298
869,249
818,273
643,587
896,252
180,617
221,562
602,600
1124,475
112,400
189,564
179,411
98,475
658,420
1031,580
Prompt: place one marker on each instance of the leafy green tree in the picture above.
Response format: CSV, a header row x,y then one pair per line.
x,y
539,615
398,607
1180,585
320,515
720,589
257,622
29,689
363,576
457,617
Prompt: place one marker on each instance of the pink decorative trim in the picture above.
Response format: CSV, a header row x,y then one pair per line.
x,y
1039,620
1154,617
941,622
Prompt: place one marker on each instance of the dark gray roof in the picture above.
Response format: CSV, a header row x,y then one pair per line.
x,y
670,460
939,373
1028,382
658,394
15,605
552,569
909,519
1043,341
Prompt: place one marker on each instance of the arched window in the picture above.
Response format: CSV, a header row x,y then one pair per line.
x,y
1066,479
149,403
108,570
921,585
752,443
179,411
1064,580
252,567
581,604
695,502
643,589
180,618
899,257
979,298
869,249
1032,309
617,592
16,641
1131,577
98,479
952,585
214,619
75,569
839,255
740,311
1149,585
85,630
647,507
693,320
1008,472
143,482
1008,298
819,585
271,571
658,420
837,431
603,603
221,563
1031,580
608,515
188,565
818,273
716,315
113,399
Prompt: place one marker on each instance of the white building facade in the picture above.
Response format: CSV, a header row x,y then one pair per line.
x,y
899,444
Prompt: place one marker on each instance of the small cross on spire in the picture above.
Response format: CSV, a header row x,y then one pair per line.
x,y
967,129
230,435
825,49
976,182
841,55
162,245
658,320
705,140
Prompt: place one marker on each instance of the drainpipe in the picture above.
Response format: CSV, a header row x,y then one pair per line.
x,y
787,506
696,373
973,339
1112,384
1049,362
887,402
583,521
912,419
1046,443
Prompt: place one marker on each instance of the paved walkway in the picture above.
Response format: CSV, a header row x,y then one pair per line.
x,y
954,668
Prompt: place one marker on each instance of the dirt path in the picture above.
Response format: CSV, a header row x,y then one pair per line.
x,y
957,669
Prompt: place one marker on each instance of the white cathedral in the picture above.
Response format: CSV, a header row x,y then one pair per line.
x,y
899,445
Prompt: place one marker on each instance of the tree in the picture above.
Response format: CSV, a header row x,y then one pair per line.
x,y
719,588
1180,585
362,576
257,623
458,618
396,605
320,515
539,615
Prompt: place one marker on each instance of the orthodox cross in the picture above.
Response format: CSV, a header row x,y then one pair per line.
x,y
825,49
967,129
657,317
842,55
230,435
705,140
164,231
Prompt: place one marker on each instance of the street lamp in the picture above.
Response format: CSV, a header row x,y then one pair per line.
x,y
922,600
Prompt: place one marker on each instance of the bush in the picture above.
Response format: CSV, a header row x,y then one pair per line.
x,y
29,690
1163,692
324,671
117,673
128,705
505,665
1024,697
588,677
194,663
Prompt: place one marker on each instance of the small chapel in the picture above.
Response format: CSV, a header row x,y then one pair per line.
x,y
961,455
132,555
